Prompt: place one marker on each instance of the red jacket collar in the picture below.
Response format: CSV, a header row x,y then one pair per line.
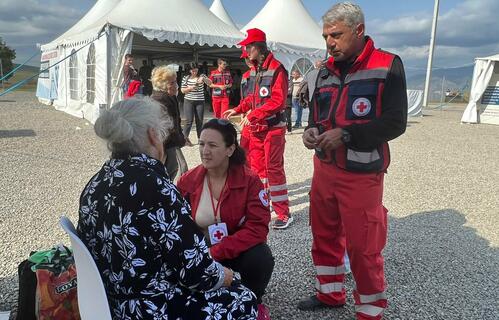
x,y
235,178
364,55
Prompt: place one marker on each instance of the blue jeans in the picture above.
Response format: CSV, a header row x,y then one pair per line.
x,y
298,111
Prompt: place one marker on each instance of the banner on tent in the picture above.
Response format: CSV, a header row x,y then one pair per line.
x,y
48,80
491,96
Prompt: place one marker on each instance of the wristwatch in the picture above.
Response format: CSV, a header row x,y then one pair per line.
x,y
346,137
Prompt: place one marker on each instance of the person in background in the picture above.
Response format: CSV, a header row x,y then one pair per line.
x,y
221,82
264,107
151,256
128,72
230,206
289,106
145,77
193,90
245,129
165,90
134,87
359,103
296,80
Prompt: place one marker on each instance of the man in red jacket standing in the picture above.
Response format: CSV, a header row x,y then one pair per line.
x,y
359,103
221,83
266,101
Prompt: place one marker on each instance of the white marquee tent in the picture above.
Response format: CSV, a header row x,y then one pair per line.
x,y
292,34
218,9
483,106
178,30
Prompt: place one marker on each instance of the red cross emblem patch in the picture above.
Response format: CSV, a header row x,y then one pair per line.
x,y
264,197
361,107
264,92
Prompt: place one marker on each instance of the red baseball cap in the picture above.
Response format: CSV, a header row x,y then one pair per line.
x,y
244,53
254,35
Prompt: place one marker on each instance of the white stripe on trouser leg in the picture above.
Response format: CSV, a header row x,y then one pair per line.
x,y
279,198
330,271
372,297
370,310
278,187
329,287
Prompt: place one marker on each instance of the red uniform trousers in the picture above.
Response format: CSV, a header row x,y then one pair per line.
x,y
220,105
244,142
346,208
267,160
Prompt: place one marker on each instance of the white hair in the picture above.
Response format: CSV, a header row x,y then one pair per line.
x,y
124,126
346,12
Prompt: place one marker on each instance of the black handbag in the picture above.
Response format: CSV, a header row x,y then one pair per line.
x,y
27,291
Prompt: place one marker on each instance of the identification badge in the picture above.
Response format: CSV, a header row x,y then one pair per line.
x,y
217,232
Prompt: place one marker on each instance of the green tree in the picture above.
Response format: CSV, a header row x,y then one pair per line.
x,y
7,55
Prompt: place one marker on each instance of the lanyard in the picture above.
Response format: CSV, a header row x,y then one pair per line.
x,y
217,207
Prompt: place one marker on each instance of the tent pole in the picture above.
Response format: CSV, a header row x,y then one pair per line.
x,y
1,73
108,68
430,57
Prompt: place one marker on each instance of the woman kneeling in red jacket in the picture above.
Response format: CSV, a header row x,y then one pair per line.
x,y
231,207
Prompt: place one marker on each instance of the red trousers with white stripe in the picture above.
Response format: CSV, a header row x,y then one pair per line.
x,y
220,105
346,209
267,160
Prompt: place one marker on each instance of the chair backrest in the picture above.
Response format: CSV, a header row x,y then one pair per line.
x,y
92,299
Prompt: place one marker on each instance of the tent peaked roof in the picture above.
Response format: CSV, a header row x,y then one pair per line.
x,y
218,9
174,21
100,9
288,22
494,57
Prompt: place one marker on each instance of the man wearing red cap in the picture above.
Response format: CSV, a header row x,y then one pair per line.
x,y
265,103
221,82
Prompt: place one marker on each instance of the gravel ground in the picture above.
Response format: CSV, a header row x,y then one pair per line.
x,y
442,258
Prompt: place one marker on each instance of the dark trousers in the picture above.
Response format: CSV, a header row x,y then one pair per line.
x,y
193,110
288,118
255,266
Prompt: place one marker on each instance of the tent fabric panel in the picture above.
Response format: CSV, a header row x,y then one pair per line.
x,y
415,103
482,74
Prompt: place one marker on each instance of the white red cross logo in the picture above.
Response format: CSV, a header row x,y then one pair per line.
x,y
361,107
264,92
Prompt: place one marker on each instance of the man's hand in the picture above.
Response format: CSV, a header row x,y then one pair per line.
x,y
329,140
229,113
310,137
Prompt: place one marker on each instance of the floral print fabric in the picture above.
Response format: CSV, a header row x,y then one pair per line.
x,y
153,259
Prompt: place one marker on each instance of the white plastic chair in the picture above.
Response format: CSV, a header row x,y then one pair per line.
x,y
92,299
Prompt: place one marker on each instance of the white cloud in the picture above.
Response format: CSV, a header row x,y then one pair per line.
x,y
464,32
24,23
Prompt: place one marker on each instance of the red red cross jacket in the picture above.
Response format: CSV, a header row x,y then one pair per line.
x,y
267,90
244,208
353,98
220,78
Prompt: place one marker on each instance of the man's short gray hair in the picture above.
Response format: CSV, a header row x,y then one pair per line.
x,y
124,126
346,12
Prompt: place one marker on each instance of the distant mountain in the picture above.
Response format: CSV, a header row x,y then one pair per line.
x,y
27,68
455,79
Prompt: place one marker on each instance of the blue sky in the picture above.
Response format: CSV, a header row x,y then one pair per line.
x,y
467,28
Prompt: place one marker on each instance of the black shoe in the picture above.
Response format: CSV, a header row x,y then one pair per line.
x,y
297,126
282,222
312,303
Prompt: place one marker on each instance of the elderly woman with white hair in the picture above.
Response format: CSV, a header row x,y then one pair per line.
x,y
165,90
152,257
